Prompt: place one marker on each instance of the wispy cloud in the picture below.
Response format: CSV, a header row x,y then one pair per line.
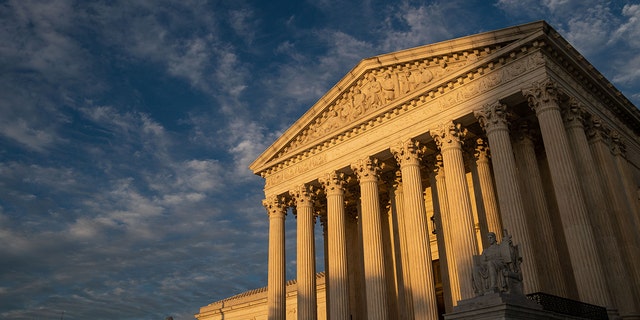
x,y
601,30
422,24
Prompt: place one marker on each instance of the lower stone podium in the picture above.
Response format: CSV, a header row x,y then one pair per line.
x,y
500,305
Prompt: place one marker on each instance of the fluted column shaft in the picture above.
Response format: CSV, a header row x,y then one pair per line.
x,y
492,215
306,254
337,254
422,286
322,218
276,298
587,267
540,222
404,291
355,266
445,233
448,137
493,118
626,177
617,274
367,171
626,232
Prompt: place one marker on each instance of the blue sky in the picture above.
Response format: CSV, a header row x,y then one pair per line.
x,y
127,127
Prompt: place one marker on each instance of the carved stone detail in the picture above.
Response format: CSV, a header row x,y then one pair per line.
x,y
367,169
573,113
399,81
276,206
498,268
448,135
407,152
540,94
493,116
303,195
481,151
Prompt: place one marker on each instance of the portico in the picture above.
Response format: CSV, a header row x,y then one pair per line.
x,y
415,156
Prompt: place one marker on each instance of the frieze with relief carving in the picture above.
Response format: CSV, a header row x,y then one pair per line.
x,y
296,169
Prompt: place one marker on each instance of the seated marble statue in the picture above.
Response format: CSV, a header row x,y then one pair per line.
x,y
498,268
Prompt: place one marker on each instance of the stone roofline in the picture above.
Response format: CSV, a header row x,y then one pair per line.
x,y
539,34
258,294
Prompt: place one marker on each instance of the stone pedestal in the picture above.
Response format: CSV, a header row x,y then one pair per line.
x,y
498,306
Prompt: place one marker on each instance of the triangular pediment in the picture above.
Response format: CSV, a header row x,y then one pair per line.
x,y
380,82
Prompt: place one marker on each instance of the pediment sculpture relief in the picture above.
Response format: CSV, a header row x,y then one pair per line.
x,y
374,90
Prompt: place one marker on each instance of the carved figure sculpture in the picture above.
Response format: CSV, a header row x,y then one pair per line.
x,y
498,268
388,86
373,92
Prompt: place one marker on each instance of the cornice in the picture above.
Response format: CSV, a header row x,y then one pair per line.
x,y
462,61
445,52
503,65
564,55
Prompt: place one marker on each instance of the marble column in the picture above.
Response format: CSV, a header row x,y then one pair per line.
x,y
587,267
407,154
449,139
492,215
306,253
616,273
540,224
388,248
276,294
625,232
355,265
404,276
493,118
322,218
438,194
367,170
338,282
626,177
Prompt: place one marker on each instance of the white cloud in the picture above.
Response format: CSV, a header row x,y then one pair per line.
x,y
629,72
36,36
200,175
518,8
243,21
42,63
23,132
629,31
555,5
590,30
424,24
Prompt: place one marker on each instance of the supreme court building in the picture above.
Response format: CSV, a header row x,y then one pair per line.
x,y
414,156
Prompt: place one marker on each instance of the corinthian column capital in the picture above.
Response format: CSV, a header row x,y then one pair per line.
x,y
333,182
407,152
438,165
597,131
540,94
618,145
303,195
448,135
367,169
276,206
573,113
481,152
493,116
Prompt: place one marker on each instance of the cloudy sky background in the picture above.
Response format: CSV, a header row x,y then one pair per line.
x,y
126,129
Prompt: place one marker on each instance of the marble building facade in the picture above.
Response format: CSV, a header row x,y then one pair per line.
x,y
414,156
